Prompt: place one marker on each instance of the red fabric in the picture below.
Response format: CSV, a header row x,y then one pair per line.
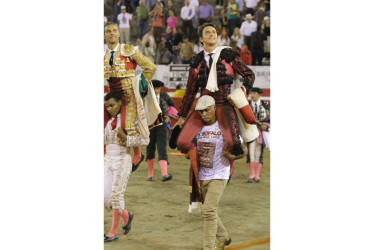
x,y
246,55
248,115
114,123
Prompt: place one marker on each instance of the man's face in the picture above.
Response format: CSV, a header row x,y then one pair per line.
x,y
141,3
123,11
150,32
187,2
205,3
111,34
208,115
157,90
255,96
209,35
112,106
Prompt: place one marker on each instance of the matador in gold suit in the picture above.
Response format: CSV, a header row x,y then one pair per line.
x,y
120,61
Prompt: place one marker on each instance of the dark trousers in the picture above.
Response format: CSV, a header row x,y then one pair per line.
x,y
157,32
257,55
157,137
232,26
202,21
187,28
247,41
143,28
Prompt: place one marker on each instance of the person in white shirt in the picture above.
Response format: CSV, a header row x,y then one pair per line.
x,y
124,21
214,170
247,28
250,6
236,36
187,13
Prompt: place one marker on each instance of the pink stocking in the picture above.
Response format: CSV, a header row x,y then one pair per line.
x,y
150,163
252,170
258,168
164,167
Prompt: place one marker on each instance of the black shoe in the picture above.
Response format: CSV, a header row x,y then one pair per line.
x,y
166,177
150,179
135,167
126,229
250,180
257,180
109,239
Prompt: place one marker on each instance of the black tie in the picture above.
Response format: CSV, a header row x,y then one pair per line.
x,y
210,60
111,58
256,109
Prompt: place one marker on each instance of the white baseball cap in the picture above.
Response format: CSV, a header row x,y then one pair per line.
x,y
204,102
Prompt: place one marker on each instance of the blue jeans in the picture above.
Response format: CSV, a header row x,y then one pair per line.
x,y
232,26
143,28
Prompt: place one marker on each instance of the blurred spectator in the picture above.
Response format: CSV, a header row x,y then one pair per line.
x,y
142,15
117,9
218,6
247,28
140,46
236,36
124,21
149,52
178,36
250,6
195,5
157,15
149,38
170,7
223,20
241,5
171,21
232,15
267,4
257,42
233,44
187,51
129,6
187,13
197,47
205,13
266,28
223,39
246,55
260,14
169,39
163,55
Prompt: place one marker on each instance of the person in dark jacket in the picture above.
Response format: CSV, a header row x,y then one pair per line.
x,y
158,135
257,45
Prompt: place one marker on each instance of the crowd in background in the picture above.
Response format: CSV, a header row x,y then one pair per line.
x,y
167,33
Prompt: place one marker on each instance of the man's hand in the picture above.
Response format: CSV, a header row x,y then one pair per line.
x,y
121,134
179,122
264,127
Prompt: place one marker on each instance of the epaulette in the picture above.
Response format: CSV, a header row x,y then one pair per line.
x,y
128,49
228,54
196,59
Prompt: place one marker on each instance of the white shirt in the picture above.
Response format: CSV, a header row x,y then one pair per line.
x,y
247,28
206,56
124,20
251,3
187,12
239,41
210,143
115,50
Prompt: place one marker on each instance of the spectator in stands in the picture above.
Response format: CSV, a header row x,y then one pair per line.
x,y
223,39
250,6
246,55
223,20
105,20
187,51
266,29
218,6
157,15
140,46
205,13
149,38
232,15
234,45
241,5
247,28
149,52
178,36
197,47
172,21
169,39
124,21
195,5
117,9
129,6
163,55
187,13
257,42
260,14
236,36
170,7
142,15
267,4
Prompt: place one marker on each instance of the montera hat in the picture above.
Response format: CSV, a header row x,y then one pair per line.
x,y
258,90
157,83
204,102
